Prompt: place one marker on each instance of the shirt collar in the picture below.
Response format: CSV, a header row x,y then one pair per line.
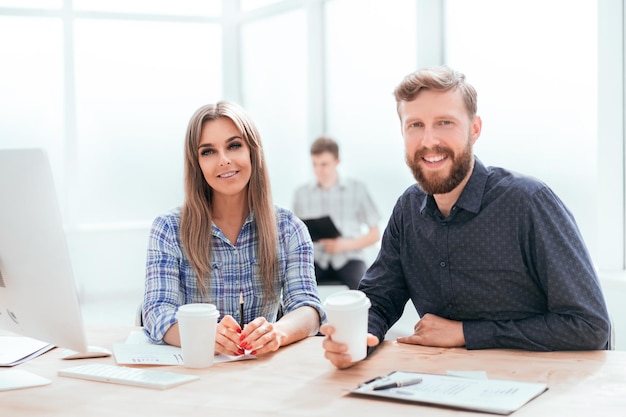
x,y
472,195
215,231
339,184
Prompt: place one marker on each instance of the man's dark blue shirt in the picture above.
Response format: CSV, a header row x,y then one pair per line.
x,y
509,262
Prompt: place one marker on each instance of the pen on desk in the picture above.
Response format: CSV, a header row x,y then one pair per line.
x,y
398,384
369,381
241,309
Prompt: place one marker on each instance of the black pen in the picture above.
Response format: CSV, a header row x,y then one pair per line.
x,y
398,384
241,309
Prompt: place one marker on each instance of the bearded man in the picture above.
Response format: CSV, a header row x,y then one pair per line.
x,y
489,258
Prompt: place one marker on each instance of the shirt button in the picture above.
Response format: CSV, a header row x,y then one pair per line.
x,y
442,264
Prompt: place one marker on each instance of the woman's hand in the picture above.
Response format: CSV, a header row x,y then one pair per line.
x,y
227,337
260,336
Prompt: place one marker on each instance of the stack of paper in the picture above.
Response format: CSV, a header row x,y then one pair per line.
x,y
17,349
487,395
138,350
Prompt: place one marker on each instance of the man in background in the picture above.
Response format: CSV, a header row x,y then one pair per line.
x,y
350,207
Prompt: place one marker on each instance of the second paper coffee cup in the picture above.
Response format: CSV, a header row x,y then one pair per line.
x,y
347,312
197,325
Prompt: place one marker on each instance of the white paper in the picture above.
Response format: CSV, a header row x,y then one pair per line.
x,y
492,396
17,349
468,374
139,350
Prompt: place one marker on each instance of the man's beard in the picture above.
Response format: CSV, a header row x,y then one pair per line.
x,y
438,183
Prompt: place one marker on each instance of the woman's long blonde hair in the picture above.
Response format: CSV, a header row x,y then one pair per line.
x,y
196,213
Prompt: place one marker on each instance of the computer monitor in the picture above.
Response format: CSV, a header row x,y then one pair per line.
x,y
38,296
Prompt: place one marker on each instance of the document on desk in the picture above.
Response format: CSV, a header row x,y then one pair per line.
x,y
17,349
139,350
486,395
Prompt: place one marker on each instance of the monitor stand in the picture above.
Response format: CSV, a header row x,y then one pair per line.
x,y
92,352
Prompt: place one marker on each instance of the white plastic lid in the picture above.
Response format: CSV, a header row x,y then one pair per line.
x,y
347,300
200,310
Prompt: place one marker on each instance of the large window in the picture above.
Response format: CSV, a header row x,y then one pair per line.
x,y
137,83
274,65
362,69
31,86
537,89
107,88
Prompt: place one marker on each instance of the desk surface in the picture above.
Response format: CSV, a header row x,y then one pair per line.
x,y
298,381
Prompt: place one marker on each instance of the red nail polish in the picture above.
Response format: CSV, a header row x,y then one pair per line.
x,y
253,352
243,344
243,336
241,351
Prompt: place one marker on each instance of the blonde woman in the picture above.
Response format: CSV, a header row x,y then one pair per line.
x,y
230,246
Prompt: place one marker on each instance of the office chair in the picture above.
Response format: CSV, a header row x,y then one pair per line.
x,y
139,316
611,345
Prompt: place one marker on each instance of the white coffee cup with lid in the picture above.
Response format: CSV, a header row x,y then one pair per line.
x,y
197,324
347,312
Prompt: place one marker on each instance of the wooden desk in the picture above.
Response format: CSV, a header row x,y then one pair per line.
x,y
298,381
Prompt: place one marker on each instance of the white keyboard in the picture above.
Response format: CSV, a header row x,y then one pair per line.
x,y
147,378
